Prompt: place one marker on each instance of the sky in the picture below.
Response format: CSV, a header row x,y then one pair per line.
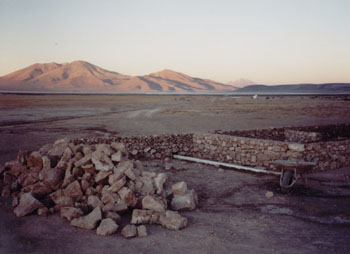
x,y
267,41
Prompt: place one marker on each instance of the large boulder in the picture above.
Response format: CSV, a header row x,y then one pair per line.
x,y
107,227
89,221
27,204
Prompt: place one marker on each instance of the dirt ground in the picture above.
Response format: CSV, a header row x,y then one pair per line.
x,y
234,216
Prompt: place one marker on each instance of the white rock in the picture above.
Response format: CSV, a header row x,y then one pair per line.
x,y
94,202
107,227
142,231
179,188
117,157
172,220
89,221
296,147
141,216
187,201
129,231
159,181
27,205
71,213
154,204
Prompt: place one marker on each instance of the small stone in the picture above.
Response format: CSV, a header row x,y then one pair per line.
x,y
179,188
159,181
27,204
59,147
102,175
127,196
107,227
172,220
94,202
116,186
52,177
34,160
113,215
129,231
71,213
46,162
99,165
89,221
43,211
118,146
115,177
269,194
130,173
73,190
60,199
141,216
117,157
85,160
187,201
154,204
142,231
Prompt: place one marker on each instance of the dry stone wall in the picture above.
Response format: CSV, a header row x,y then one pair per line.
x,y
260,153
237,150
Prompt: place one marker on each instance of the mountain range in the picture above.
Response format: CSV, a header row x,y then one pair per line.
x,y
81,76
326,88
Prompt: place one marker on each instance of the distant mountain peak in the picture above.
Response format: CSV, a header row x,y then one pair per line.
x,y
242,82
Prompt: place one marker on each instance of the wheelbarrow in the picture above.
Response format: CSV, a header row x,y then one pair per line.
x,y
292,171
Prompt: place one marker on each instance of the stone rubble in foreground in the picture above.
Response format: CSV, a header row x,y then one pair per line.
x,y
93,186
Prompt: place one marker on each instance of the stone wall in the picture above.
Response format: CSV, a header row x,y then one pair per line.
x,y
237,150
260,153
305,134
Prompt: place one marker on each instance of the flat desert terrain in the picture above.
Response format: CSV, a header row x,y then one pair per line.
x,y
234,216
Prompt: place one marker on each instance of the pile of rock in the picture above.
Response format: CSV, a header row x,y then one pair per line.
x,y
92,186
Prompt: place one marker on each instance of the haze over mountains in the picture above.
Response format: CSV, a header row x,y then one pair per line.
x,y
80,76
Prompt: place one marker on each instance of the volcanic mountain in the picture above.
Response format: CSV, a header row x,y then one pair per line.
x,y
80,76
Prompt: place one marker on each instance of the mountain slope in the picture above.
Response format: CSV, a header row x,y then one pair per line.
x,y
80,76
299,88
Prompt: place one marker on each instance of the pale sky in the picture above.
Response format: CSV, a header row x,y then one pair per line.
x,y
267,41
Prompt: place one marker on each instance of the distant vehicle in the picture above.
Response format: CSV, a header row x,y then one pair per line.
x,y
255,96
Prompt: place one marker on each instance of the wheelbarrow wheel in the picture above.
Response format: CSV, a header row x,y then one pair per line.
x,y
287,178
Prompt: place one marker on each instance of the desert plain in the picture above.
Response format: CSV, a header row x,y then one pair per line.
x,y
234,215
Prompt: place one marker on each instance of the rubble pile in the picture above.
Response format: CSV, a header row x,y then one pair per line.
x,y
93,186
